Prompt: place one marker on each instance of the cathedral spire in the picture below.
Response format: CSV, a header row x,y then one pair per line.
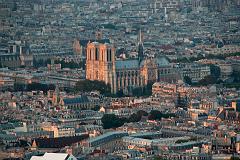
x,y
140,36
140,46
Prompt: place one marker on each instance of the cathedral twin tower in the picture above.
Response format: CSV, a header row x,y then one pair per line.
x,y
100,64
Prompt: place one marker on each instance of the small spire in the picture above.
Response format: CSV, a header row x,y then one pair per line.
x,y
140,46
140,36
34,144
57,89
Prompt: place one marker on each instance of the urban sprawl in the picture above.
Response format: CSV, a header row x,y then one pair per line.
x,y
120,79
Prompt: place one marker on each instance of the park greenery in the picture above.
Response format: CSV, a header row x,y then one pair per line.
x,y
70,64
143,91
41,63
186,140
88,86
105,89
157,115
33,87
114,121
215,71
187,80
138,91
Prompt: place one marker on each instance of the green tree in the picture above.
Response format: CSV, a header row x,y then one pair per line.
x,y
168,115
215,71
41,62
236,76
235,158
187,80
182,141
88,86
109,26
19,87
96,108
155,115
135,117
33,87
71,64
208,80
120,93
112,121
137,91
14,8
142,113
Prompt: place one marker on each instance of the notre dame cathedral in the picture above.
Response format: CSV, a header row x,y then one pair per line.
x,y
127,74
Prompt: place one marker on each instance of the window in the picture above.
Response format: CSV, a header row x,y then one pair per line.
x,y
109,55
96,54
129,81
90,54
102,55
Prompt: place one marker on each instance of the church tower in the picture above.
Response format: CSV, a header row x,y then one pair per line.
x,y
56,96
100,64
77,48
140,47
25,55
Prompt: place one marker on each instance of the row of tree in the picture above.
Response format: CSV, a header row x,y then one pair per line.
x,y
209,56
88,86
113,121
71,64
33,87
41,62
138,91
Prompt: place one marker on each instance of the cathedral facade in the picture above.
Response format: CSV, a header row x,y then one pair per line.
x,y
100,64
128,74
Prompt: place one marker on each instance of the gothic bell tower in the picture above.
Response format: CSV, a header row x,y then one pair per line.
x,y
100,63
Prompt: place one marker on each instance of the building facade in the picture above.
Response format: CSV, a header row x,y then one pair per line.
x,y
17,54
194,71
128,74
100,64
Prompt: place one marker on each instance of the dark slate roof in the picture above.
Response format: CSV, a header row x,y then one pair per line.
x,y
127,64
7,137
76,100
160,61
85,42
6,126
59,142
